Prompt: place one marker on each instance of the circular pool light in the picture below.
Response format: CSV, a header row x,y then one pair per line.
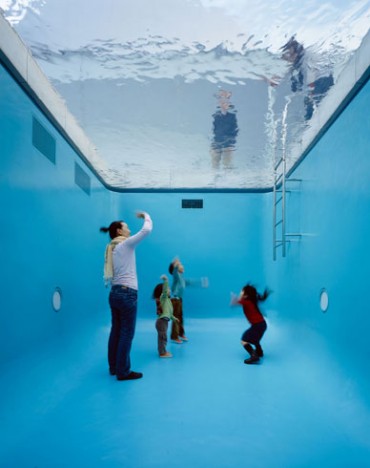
x,y
57,299
324,300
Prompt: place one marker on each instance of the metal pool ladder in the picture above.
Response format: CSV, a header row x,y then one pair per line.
x,y
280,236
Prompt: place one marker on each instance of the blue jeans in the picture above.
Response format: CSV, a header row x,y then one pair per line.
x,y
123,304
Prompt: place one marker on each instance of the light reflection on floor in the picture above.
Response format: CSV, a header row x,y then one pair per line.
x,y
203,408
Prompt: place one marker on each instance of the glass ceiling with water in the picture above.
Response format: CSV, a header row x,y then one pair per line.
x,y
194,94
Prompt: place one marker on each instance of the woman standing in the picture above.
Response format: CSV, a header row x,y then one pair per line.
x,y
120,273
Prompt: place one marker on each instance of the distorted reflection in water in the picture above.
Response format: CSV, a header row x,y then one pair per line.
x,y
192,94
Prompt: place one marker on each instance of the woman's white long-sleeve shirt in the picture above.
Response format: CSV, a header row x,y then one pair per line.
x,y
124,259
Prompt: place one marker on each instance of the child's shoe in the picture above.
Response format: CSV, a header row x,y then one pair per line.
x,y
166,355
252,360
183,338
177,340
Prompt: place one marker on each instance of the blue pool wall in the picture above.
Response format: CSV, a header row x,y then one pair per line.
x,y
220,245
49,232
50,236
330,207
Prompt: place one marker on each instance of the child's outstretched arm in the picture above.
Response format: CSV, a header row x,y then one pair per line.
x,y
164,278
166,287
234,299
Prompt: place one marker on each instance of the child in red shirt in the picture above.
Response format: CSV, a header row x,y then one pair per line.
x,y
249,299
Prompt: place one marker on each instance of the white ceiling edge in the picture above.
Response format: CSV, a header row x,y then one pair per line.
x,y
12,46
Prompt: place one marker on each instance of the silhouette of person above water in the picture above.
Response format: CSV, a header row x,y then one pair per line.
x,y
225,131
307,74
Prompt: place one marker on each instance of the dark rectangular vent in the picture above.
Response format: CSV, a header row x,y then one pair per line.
x,y
82,179
43,141
192,203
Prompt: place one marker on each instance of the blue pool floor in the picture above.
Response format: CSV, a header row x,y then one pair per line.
x,y
203,408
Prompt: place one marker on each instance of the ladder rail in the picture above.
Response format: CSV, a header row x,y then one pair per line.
x,y
274,223
283,207
280,187
280,180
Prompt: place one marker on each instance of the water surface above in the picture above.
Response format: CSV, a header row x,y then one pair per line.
x,y
192,94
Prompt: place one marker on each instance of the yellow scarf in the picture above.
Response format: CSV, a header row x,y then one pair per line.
x,y
108,263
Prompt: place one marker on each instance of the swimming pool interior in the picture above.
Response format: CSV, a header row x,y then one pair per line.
x,y
306,404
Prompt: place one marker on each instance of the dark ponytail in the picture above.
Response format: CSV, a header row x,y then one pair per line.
x,y
112,229
264,296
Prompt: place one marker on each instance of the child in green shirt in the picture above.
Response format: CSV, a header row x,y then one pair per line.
x,y
161,295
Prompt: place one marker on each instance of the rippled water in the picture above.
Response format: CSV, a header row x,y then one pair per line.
x,y
146,80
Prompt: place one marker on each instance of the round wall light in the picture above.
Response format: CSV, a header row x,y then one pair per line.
x,y
57,299
324,300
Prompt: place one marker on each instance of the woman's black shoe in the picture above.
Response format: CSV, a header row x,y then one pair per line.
x,y
131,376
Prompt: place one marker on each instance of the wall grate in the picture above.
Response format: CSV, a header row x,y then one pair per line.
x,y
43,141
194,203
82,179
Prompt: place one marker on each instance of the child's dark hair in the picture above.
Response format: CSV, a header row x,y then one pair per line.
x,y
157,291
253,295
171,268
112,229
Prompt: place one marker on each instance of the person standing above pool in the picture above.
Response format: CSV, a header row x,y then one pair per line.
x,y
120,273
249,299
225,130
308,73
